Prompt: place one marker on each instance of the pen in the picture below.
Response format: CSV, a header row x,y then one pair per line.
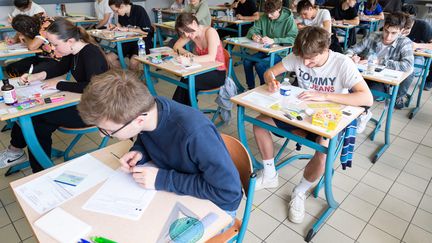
x,y
29,73
84,241
98,239
115,155
274,78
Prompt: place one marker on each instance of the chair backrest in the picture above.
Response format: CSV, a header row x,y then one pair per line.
x,y
241,159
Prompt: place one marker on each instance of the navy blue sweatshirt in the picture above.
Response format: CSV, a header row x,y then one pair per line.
x,y
191,156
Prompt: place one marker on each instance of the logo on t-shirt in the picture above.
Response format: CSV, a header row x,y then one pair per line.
x,y
320,84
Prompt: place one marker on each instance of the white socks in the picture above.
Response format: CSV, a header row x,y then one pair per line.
x,y
269,168
303,186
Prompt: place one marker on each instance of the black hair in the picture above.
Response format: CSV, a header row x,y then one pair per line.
x,y
27,25
397,20
304,4
117,3
22,4
409,9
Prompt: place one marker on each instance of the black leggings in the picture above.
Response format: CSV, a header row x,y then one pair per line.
x,y
44,126
210,80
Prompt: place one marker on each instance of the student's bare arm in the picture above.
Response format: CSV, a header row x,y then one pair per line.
x,y
327,25
268,76
103,21
254,17
34,44
179,45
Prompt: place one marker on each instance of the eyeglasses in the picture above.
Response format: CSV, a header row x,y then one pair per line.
x,y
110,135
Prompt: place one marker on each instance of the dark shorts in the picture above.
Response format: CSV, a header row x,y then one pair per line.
x,y
287,127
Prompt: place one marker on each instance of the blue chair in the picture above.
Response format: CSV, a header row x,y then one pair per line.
x,y
243,163
79,132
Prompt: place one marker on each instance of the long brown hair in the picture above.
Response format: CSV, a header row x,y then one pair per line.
x,y
182,21
66,30
371,4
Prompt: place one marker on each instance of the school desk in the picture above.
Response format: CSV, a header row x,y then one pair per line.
x,y
246,44
346,28
24,119
214,10
5,29
163,30
421,81
332,150
219,21
118,41
371,22
167,14
171,68
146,229
4,56
80,21
390,100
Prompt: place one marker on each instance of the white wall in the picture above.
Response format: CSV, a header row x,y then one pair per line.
x,y
88,8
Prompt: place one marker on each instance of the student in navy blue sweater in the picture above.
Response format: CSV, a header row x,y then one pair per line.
x,y
188,155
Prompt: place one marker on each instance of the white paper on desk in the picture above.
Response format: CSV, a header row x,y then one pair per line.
x,y
44,194
186,67
28,91
292,98
120,196
260,99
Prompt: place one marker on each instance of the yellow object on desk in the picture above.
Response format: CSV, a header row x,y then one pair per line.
x,y
327,118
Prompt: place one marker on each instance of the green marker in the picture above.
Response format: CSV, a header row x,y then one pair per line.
x,y
98,239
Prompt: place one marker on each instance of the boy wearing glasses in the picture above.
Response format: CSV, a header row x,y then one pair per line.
x,y
188,155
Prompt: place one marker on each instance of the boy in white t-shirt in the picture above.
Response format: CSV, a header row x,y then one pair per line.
x,y
26,7
313,16
103,13
328,76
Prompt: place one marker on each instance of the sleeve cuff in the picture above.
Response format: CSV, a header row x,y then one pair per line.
x,y
162,180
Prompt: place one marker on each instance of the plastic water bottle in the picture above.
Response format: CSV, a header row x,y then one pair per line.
x,y
58,9
361,8
372,63
228,13
285,92
141,48
159,16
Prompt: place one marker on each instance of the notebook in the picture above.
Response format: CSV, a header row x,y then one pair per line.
x,y
62,226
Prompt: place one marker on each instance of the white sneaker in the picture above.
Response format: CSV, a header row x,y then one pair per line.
x,y
10,158
263,182
297,208
362,121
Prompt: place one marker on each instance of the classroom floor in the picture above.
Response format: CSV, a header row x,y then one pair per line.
x,y
390,201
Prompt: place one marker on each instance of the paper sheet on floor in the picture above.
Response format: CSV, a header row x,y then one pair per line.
x,y
58,186
120,196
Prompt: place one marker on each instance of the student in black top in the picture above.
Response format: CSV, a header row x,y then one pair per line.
x,y
244,10
346,13
80,56
420,32
391,6
131,18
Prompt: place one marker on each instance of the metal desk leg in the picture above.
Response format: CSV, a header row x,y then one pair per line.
x,y
346,38
192,92
33,143
155,37
328,174
231,72
1,73
272,59
160,37
422,84
388,124
239,33
120,55
242,134
148,79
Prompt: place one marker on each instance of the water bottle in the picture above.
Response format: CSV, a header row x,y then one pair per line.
x,y
159,16
141,48
8,92
361,8
285,92
372,63
58,9
227,13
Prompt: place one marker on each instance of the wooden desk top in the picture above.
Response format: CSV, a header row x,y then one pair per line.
x,y
219,8
146,229
18,53
82,20
177,70
99,34
229,20
306,123
170,25
368,19
250,44
387,76
69,98
6,28
344,26
423,53
170,11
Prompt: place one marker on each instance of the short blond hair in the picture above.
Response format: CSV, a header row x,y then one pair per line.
x,y
117,95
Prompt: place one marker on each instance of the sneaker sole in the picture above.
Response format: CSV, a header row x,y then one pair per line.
x,y
295,221
21,159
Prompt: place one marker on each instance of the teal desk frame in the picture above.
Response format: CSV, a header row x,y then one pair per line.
x,y
421,81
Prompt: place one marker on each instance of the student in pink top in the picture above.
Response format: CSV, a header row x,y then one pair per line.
x,y
208,48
